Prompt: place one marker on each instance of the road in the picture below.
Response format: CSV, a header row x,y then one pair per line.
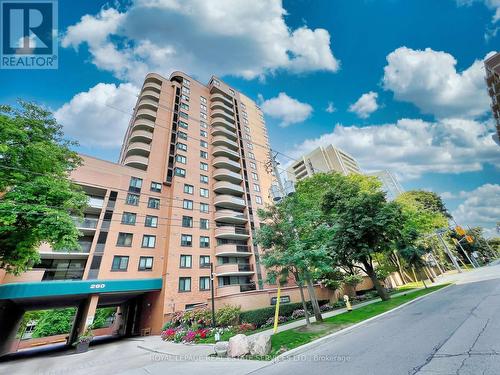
x,y
453,331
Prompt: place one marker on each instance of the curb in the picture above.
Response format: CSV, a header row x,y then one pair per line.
x,y
294,351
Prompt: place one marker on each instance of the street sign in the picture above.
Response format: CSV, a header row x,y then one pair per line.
x,y
460,231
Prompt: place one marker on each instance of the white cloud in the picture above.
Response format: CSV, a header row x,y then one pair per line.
x,y
412,147
480,207
202,37
365,105
491,4
288,110
99,116
330,108
429,80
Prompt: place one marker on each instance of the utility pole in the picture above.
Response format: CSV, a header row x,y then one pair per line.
x,y
450,255
465,252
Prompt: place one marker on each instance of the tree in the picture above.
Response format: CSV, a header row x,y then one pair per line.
x,y
362,223
289,251
413,252
36,195
54,322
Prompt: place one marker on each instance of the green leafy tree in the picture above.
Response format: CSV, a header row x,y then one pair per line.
x,y
54,322
36,196
362,222
102,315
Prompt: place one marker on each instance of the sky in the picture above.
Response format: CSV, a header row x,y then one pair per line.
x,y
397,84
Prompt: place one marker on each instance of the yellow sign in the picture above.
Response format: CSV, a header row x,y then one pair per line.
x,y
469,239
460,231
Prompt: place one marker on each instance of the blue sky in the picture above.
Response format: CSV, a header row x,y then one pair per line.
x,y
403,79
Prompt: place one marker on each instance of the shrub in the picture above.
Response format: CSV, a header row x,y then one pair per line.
x,y
269,322
353,280
260,316
245,327
299,313
228,315
325,308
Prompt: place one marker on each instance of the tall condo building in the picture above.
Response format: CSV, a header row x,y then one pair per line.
x,y
182,199
492,66
322,159
390,183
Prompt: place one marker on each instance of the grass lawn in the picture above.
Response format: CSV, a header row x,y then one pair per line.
x,y
293,338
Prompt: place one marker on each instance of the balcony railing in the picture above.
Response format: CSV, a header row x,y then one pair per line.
x,y
247,287
95,202
85,223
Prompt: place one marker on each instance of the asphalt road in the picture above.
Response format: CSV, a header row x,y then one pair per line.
x,y
453,331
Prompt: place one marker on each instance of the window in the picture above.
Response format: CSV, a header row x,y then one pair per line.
x,y
204,144
154,203
203,179
185,106
186,261
251,155
132,199
124,239
203,166
181,172
203,116
205,283
204,207
203,125
120,263
183,124
203,107
203,133
204,242
186,82
128,218
231,91
247,129
203,223
203,100
203,154
204,193
145,263
187,204
253,165
151,221
187,221
185,90
183,115
148,241
185,98
249,145
156,187
256,188
135,184
216,82
188,189
255,176
182,135
180,159
204,261
186,240
258,199
182,146
184,284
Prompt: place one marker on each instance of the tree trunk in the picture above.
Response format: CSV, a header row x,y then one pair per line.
x,y
371,274
303,299
429,274
314,301
423,278
414,274
400,269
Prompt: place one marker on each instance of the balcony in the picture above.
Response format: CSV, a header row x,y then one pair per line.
x,y
136,161
146,103
143,124
224,141
223,107
229,201
230,216
141,136
234,269
219,121
231,233
226,175
224,151
146,113
138,148
95,202
223,187
150,93
233,250
85,223
223,162
216,97
222,131
219,113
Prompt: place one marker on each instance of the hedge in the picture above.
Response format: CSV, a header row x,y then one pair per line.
x,y
260,316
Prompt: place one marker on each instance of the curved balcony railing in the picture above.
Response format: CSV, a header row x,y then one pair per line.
x,y
146,103
219,121
230,216
141,136
224,132
223,162
233,250
150,93
227,175
224,141
219,113
136,161
143,124
224,187
152,86
233,269
229,201
224,151
216,97
146,113
220,105
138,148
231,233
